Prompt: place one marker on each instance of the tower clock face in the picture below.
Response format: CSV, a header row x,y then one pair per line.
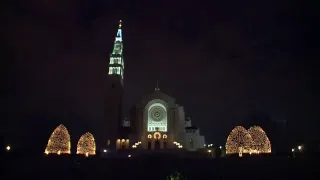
x,y
157,113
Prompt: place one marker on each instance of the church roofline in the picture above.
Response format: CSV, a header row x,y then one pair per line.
x,y
191,127
157,95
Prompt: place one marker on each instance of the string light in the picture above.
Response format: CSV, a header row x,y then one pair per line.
x,y
156,135
164,136
86,145
238,141
261,141
59,141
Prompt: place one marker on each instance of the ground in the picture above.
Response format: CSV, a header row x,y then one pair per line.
x,y
159,167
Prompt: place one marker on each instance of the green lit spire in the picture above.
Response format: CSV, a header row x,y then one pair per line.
x,y
116,65
117,48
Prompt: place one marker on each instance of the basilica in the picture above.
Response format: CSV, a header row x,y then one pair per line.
x,y
156,122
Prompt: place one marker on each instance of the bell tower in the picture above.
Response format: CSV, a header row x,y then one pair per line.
x,y
116,64
114,94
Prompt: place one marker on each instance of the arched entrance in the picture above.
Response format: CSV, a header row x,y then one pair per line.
x,y
157,145
157,137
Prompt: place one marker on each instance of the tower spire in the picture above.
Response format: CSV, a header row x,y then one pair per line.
x,y
116,64
157,87
119,33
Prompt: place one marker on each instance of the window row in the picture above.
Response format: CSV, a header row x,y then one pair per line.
x,y
157,128
115,61
116,70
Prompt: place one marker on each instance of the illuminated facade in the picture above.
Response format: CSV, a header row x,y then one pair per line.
x,y
108,136
193,139
157,122
116,64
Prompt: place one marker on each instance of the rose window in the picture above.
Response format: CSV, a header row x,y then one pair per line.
x,y
157,113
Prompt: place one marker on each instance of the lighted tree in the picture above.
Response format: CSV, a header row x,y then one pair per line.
x,y
86,145
59,141
175,176
261,141
238,140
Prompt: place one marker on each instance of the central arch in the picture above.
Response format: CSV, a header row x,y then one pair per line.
x,y
157,116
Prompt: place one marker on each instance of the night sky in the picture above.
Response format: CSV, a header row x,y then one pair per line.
x,y
222,61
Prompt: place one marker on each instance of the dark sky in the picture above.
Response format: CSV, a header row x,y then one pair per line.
x,y
222,61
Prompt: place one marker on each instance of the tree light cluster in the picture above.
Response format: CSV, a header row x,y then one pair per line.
x,y
261,142
86,145
239,140
59,141
254,140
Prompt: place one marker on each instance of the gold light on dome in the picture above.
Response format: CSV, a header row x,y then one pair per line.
x,y
59,141
86,145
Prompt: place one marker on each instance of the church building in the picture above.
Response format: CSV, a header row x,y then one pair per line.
x,y
114,95
155,123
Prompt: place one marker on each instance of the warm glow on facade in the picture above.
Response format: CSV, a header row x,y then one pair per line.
x,y
122,143
156,135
